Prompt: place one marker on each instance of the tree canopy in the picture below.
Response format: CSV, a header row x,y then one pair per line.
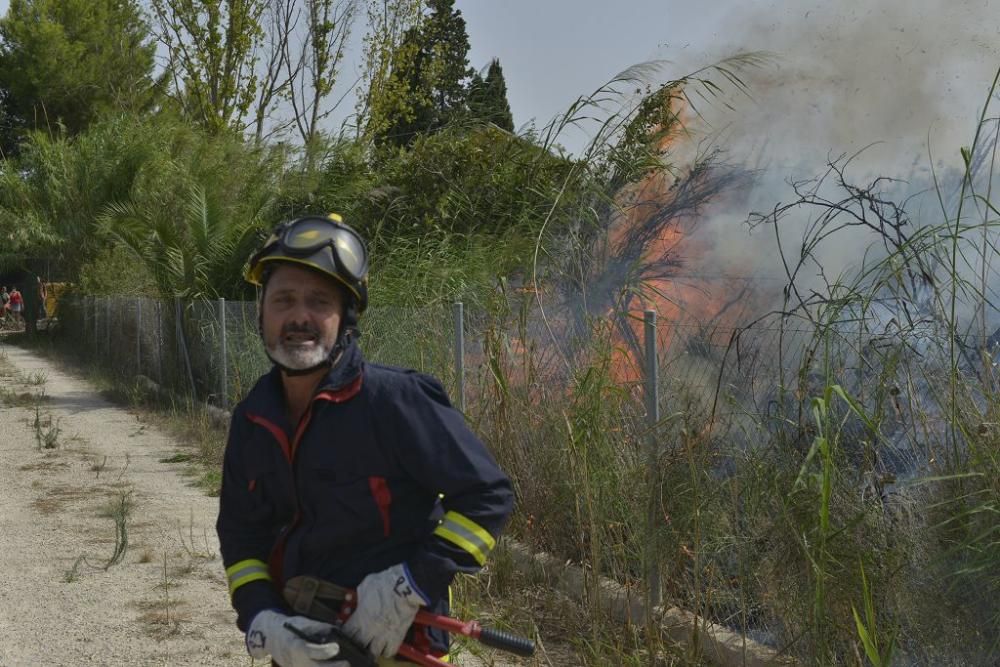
x,y
172,180
64,62
212,54
488,98
431,69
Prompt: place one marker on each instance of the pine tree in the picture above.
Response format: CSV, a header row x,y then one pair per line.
x,y
447,45
488,98
432,67
66,61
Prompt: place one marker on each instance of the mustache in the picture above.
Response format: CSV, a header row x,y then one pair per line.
x,y
299,329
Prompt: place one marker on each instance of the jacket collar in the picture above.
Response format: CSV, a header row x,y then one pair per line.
x,y
345,371
268,397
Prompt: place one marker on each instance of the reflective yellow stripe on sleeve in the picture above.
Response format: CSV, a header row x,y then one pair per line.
x,y
246,571
467,535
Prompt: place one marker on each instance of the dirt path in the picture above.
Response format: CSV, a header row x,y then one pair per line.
x,y
68,461
165,602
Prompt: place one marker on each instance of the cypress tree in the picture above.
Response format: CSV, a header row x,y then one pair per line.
x,y
488,97
434,74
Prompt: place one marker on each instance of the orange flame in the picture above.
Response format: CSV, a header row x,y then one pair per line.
x,y
687,300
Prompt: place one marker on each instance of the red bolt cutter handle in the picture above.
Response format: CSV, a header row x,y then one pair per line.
x,y
487,636
472,629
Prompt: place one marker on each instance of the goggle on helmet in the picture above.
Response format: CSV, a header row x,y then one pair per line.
x,y
322,243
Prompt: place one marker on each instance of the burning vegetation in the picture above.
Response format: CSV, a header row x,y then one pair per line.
x,y
824,478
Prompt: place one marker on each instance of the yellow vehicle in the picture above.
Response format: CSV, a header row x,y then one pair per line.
x,y
53,291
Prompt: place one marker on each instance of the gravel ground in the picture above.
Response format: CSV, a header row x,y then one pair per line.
x,y
165,602
61,603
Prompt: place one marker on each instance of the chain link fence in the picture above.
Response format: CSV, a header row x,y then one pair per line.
x,y
210,350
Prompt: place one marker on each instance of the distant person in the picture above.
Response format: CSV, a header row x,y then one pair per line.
x,y
17,305
4,298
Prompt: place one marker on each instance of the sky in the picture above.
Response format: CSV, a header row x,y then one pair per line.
x,y
556,50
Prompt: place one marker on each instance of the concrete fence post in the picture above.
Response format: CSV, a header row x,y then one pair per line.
x,y
159,341
458,311
86,319
224,361
138,335
108,312
652,394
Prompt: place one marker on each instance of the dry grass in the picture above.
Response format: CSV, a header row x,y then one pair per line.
x,y
161,621
58,497
12,398
565,632
47,465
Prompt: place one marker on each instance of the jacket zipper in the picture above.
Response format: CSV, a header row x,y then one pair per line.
x,y
277,556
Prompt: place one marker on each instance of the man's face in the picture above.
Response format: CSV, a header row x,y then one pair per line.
x,y
301,314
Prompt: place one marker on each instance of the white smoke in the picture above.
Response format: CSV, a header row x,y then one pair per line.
x,y
907,79
848,74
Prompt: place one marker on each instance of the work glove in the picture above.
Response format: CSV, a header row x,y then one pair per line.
x,y
269,636
388,601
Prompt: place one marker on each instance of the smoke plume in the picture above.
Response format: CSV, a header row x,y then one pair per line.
x,y
903,80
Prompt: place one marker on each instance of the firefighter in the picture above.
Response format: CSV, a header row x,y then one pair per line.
x,y
354,473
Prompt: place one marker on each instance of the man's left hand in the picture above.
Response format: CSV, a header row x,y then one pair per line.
x,y
388,601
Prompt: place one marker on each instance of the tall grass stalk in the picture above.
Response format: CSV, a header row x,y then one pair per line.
x,y
878,647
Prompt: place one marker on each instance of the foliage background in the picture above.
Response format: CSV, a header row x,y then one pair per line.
x,y
126,176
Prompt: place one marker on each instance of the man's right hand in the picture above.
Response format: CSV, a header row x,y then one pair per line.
x,y
269,636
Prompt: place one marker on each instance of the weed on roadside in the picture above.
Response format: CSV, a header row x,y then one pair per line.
x,y
46,430
36,378
195,552
162,617
73,573
24,399
98,468
119,510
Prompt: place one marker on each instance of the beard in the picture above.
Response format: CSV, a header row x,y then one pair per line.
x,y
300,348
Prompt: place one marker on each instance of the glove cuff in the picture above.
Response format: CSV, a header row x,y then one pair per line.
x,y
413,584
256,637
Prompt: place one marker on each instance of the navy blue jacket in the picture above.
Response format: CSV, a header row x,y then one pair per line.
x,y
380,470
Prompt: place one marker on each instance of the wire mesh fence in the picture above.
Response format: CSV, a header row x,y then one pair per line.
x,y
211,351
734,386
